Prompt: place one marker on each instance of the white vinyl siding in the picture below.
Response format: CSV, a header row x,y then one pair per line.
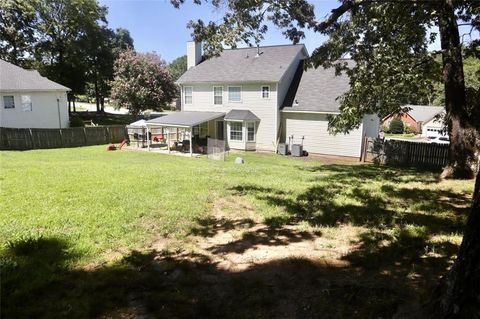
x,y
236,131
188,93
250,131
314,127
265,92
265,109
8,102
218,95
41,110
234,94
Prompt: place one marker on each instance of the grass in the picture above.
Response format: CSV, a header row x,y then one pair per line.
x,y
405,135
90,233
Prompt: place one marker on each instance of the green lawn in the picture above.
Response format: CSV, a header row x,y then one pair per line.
x,y
90,233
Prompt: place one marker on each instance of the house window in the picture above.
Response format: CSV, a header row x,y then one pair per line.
x,y
217,95
188,94
265,92
234,93
251,132
236,132
8,102
26,103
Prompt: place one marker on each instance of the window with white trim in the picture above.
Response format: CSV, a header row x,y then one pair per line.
x,y
188,94
265,92
218,95
8,102
234,94
236,131
26,103
250,131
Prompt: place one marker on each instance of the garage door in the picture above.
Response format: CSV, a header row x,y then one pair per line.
x,y
314,129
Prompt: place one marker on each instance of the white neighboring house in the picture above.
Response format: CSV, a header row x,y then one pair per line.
x,y
255,98
435,127
29,100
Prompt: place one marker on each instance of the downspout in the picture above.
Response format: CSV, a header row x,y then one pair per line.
x,y
58,109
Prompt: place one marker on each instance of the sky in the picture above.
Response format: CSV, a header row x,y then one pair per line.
x,y
155,25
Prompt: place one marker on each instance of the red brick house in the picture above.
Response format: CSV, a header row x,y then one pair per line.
x,y
416,116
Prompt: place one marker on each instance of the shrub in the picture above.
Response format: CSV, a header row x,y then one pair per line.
x,y
384,127
396,126
76,121
409,129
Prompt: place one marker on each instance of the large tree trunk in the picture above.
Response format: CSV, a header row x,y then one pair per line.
x,y
460,296
97,94
462,134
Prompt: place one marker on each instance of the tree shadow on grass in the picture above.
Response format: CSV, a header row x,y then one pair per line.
x,y
154,284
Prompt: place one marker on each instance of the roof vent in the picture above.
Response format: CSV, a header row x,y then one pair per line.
x,y
246,55
295,103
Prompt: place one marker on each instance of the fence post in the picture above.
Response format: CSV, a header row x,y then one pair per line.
x,y
31,138
85,134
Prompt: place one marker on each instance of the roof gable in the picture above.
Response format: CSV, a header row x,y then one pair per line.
x,y
15,78
245,65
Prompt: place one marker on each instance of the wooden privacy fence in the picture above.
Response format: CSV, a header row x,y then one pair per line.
x,y
406,153
26,139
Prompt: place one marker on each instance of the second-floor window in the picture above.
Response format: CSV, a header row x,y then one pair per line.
x,y
188,94
218,95
265,92
234,94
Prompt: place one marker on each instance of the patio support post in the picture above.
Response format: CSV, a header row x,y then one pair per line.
x,y
191,141
168,140
148,138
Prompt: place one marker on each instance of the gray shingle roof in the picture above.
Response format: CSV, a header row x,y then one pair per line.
x,y
316,90
241,115
14,78
242,65
185,119
424,113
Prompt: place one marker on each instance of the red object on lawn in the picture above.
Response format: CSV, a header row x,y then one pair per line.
x,y
111,147
125,141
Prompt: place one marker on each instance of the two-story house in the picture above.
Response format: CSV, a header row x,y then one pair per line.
x,y
255,98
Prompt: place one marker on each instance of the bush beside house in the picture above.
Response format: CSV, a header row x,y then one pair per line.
x,y
396,126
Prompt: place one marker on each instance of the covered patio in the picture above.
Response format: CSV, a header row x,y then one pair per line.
x,y
184,132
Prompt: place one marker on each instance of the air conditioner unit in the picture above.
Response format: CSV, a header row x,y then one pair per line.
x,y
297,150
283,149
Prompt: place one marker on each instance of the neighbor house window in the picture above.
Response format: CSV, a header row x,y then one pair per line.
x,y
251,132
265,92
188,94
8,102
236,133
26,103
234,93
217,95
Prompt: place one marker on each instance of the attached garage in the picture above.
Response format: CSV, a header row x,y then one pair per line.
x,y
312,97
313,127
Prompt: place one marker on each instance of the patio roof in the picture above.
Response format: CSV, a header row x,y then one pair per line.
x,y
185,119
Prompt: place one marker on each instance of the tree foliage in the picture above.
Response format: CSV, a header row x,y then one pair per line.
x,y
178,66
66,40
17,27
396,126
142,82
